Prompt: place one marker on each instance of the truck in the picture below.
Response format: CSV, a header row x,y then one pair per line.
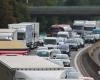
x,y
13,48
96,31
29,68
78,26
54,29
27,32
89,26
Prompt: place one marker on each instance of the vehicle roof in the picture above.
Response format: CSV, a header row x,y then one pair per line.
x,y
50,38
62,32
60,25
23,24
79,22
28,62
42,48
14,44
62,54
90,23
7,30
28,22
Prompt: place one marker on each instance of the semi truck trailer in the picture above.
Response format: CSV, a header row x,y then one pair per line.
x,y
29,68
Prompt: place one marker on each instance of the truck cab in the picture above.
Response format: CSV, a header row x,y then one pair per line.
x,y
54,29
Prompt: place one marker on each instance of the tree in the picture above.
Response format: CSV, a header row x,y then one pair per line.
x,y
71,2
21,12
6,13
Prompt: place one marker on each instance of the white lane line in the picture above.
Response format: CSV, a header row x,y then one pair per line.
x,y
76,57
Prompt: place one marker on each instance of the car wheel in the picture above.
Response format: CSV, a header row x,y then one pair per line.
x,y
76,49
83,45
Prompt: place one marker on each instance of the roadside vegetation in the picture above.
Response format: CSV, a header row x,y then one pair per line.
x,y
12,11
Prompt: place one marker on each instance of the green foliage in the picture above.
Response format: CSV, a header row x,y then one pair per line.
x,y
21,12
6,13
16,11
45,2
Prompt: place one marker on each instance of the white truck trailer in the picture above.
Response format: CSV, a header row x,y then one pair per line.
x,y
27,32
89,26
29,68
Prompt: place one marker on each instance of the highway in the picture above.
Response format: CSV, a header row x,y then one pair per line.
x,y
86,65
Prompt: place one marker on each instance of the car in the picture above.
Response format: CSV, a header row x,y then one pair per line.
x,y
97,36
55,51
72,44
61,59
42,48
64,48
89,38
76,36
43,53
81,41
50,42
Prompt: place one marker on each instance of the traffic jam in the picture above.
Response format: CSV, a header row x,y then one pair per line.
x,y
64,40
23,39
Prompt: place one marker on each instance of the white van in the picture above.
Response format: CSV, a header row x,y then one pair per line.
x,y
50,42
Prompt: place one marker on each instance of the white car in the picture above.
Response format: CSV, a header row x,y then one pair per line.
x,y
61,59
64,48
55,51
81,41
76,36
89,38
50,42
45,53
72,44
42,48
97,36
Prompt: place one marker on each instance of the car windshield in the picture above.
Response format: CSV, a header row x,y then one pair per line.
x,y
62,57
89,36
62,35
70,41
78,27
50,41
43,53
